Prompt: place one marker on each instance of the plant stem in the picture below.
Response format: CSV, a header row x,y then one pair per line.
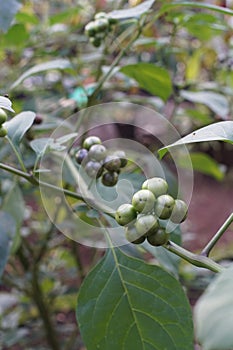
x,y
43,308
207,249
194,259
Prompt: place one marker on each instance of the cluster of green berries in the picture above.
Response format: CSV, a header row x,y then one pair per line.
x,y
98,162
3,118
98,29
142,218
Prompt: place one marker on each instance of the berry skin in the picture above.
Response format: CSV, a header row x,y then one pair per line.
x,y
147,225
122,156
164,206
81,155
179,212
132,236
112,163
125,214
95,41
161,237
102,25
156,185
97,152
90,29
143,201
100,15
93,169
90,141
109,179
3,132
3,116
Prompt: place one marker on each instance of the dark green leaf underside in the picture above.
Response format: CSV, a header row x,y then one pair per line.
x,y
127,304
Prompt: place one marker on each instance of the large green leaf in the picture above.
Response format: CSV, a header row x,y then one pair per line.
x,y
194,4
8,10
214,313
19,125
132,12
203,163
125,304
42,67
216,102
221,131
151,78
8,229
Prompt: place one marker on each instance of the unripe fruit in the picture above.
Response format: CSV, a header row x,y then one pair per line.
x,y
122,156
112,163
101,25
161,237
3,116
109,179
93,169
90,141
156,185
179,212
164,206
132,236
125,214
100,15
97,152
143,201
3,132
81,155
147,225
90,29
95,41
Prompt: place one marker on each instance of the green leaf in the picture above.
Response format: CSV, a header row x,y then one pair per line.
x,y
19,125
169,7
40,145
151,78
8,229
17,35
6,104
202,163
64,16
8,10
216,102
213,313
221,131
132,12
42,67
125,304
14,205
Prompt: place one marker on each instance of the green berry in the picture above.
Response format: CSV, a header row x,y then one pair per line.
x,y
96,41
156,185
3,116
93,169
109,179
132,236
122,156
90,29
100,15
112,163
179,212
112,21
97,152
147,225
164,206
125,214
81,155
143,201
3,131
90,141
102,25
161,237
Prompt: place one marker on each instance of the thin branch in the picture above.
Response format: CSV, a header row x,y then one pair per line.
x,y
207,249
